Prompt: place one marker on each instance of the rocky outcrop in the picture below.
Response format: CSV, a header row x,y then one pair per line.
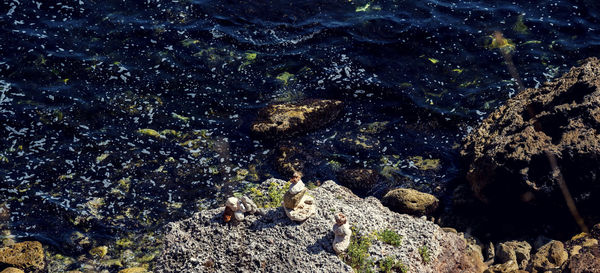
x,y
288,119
410,201
506,154
28,256
273,243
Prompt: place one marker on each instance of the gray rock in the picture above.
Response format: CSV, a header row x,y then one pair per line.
x,y
274,243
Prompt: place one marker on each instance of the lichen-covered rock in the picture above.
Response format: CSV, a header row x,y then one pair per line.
x,y
410,201
274,243
550,256
517,251
358,179
506,154
28,255
288,119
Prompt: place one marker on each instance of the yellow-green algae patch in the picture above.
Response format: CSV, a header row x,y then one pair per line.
x,y
425,164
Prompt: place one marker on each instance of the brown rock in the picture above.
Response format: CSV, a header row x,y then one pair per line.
x,y
506,153
516,251
586,261
410,201
358,179
12,270
291,201
550,256
27,255
474,256
584,254
284,120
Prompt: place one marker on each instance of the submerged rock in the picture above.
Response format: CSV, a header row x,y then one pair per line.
x,y
28,255
410,201
288,119
506,154
274,243
358,179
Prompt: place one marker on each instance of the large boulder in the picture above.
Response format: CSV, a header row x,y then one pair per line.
x,y
288,119
507,155
273,243
410,201
27,255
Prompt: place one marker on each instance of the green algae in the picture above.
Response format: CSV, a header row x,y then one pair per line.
x,y
425,164
180,117
189,42
99,251
520,26
285,77
363,8
497,41
101,157
150,132
374,127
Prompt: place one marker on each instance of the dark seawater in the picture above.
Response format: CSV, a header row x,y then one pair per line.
x,y
82,82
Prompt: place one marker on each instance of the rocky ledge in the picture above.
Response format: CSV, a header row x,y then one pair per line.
x,y
508,153
270,242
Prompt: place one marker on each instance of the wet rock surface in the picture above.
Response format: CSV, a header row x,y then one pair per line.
x,y
506,154
288,119
28,255
273,243
410,201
